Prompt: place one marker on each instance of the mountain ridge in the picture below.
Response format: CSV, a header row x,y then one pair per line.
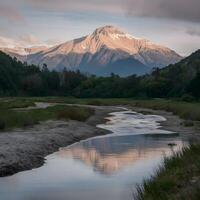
x,y
102,49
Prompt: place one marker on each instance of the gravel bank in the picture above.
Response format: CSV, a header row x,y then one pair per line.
x,y
24,149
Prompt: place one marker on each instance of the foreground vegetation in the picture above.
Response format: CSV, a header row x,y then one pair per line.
x,y
179,176
177,179
12,118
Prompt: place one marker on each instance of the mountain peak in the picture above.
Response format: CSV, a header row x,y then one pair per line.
x,y
106,48
114,33
107,30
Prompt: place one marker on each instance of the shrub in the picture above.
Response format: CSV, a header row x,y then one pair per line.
x,y
79,114
187,98
2,125
187,123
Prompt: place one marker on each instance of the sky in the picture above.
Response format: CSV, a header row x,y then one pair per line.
x,y
173,23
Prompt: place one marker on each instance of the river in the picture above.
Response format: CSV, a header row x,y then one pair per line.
x,y
102,168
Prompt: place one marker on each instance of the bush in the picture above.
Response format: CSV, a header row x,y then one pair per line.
x,y
29,122
79,114
187,123
2,125
187,98
95,102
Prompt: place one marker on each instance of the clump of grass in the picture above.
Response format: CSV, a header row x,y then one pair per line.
x,y
10,118
66,100
12,103
187,123
188,111
95,102
177,179
2,125
75,113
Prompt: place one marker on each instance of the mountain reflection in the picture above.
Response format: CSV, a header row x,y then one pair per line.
x,y
109,155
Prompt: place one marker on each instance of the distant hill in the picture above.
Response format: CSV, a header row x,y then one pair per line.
x,y
175,80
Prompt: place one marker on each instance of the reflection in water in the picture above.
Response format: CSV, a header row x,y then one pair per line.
x,y
101,168
108,155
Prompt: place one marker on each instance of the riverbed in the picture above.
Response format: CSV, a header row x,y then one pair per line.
x,y
101,168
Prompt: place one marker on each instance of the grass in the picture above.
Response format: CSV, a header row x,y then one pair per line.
x,y
188,111
179,176
10,118
177,179
10,103
185,110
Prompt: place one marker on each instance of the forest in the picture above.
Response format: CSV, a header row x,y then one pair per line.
x,y
180,80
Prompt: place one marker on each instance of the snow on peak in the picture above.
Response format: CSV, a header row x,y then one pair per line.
x,y
105,30
114,33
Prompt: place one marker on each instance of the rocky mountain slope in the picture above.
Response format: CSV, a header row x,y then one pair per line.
x,y
106,50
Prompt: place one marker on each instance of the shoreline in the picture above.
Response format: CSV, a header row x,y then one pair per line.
x,y
173,123
25,149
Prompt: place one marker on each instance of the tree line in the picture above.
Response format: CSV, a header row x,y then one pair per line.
x,y
178,80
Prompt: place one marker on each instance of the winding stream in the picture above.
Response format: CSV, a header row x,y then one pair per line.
x,y
101,168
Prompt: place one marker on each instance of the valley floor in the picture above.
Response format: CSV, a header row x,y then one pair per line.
x,y
25,148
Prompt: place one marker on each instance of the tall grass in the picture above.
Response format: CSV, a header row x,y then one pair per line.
x,y
177,179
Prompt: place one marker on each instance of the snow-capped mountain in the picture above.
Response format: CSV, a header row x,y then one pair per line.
x,y
21,53
106,50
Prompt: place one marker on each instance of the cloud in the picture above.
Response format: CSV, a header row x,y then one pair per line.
x,y
10,13
187,10
26,41
53,42
23,41
7,42
112,6
194,32
29,40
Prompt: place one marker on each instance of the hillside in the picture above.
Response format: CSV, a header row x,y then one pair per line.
x,y
178,80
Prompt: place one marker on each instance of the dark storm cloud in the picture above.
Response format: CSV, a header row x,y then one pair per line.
x,y
187,10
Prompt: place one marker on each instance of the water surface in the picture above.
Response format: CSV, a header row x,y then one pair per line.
x,y
101,168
